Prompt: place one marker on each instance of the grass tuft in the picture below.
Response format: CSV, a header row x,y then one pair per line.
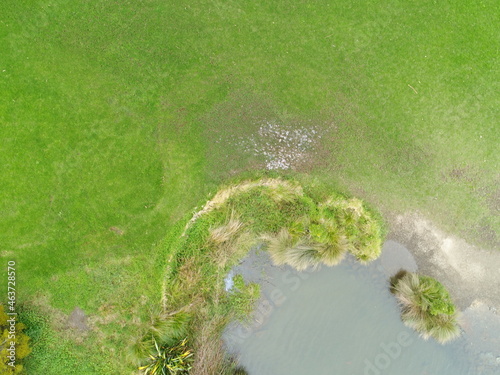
x,y
225,232
426,306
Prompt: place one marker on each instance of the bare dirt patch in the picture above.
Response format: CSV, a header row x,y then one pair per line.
x,y
78,320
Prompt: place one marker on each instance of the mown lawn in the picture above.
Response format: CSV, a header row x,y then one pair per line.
x,y
118,118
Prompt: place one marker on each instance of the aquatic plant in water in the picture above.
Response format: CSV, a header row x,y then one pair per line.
x,y
426,306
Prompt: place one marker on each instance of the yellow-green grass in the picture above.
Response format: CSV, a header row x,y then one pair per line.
x,y
122,115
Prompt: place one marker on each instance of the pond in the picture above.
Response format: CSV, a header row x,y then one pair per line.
x,y
341,320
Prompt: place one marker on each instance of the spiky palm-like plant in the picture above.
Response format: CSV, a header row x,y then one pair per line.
x,y
162,349
426,306
169,360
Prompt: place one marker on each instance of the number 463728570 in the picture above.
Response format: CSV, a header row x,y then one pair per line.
x,y
11,292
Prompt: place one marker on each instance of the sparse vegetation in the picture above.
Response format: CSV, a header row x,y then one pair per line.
x,y
243,298
426,306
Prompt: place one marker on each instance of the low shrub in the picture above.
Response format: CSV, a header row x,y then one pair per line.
x,y
14,344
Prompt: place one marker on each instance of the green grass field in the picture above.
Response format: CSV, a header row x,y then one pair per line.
x,y
118,118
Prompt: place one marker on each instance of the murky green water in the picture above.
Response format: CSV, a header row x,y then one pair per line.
x,y
336,321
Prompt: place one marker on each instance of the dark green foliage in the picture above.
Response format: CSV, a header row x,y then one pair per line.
x,y
435,298
240,371
393,281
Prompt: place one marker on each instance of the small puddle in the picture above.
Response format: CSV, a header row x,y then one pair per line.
x,y
341,320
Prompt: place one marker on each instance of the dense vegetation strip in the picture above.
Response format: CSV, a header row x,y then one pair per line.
x,y
296,229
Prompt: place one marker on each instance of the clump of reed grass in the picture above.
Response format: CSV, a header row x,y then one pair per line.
x,y
225,232
362,231
210,355
426,306
278,245
303,256
227,252
308,243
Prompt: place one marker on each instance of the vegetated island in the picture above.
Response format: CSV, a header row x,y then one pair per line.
x,y
299,227
426,306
